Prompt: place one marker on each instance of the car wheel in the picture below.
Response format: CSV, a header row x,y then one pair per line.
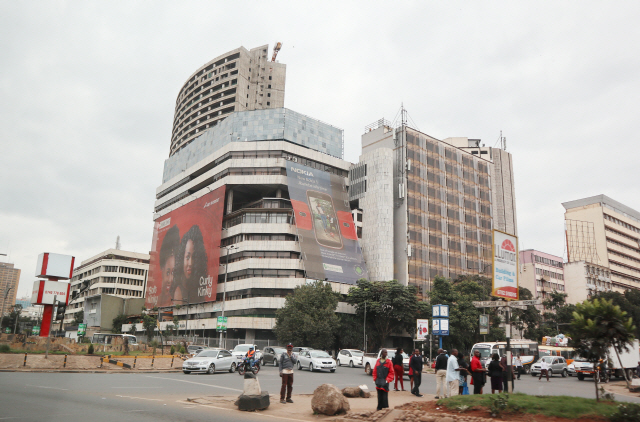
x,y
299,366
187,372
580,377
261,361
275,362
332,370
367,369
350,364
564,373
338,361
211,369
311,367
233,368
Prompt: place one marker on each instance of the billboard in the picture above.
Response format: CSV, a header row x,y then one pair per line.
x,y
54,265
185,253
324,223
422,330
45,291
484,324
505,265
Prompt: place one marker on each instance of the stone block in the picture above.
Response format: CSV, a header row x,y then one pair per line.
x,y
250,403
328,400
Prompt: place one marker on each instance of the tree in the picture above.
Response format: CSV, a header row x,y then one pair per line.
x,y
391,308
527,321
557,314
10,320
78,317
117,323
628,302
597,326
309,316
350,333
149,326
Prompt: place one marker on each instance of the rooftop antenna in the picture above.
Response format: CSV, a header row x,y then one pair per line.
x,y
503,142
118,242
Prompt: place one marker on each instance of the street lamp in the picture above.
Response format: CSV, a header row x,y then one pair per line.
x,y
224,290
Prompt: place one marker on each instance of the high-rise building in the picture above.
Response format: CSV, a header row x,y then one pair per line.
x,y
114,272
9,279
585,279
541,273
238,80
605,235
428,205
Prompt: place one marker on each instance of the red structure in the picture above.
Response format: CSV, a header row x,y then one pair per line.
x,y
53,267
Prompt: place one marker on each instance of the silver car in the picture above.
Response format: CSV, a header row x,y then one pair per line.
x,y
210,361
351,357
556,364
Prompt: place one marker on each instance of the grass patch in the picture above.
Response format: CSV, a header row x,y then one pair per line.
x,y
558,406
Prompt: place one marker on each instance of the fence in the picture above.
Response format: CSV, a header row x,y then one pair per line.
x,y
228,344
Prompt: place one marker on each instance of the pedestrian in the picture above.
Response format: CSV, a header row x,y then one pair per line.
x,y
410,374
415,363
464,371
382,376
517,363
441,374
287,361
544,369
495,372
505,378
398,368
453,374
478,373
637,370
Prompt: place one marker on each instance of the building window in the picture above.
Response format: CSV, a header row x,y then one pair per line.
x,y
268,103
269,77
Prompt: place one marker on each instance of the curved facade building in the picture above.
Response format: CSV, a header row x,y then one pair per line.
x,y
238,80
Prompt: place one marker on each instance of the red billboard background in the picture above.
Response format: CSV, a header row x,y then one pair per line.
x,y
185,253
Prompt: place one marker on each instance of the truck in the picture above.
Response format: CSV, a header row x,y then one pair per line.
x,y
369,360
610,365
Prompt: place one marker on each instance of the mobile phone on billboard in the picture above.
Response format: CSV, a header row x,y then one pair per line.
x,y
302,215
325,221
347,227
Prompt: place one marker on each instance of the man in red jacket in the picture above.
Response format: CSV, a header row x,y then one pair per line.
x,y
382,375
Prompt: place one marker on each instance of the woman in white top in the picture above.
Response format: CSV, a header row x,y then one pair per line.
x,y
544,369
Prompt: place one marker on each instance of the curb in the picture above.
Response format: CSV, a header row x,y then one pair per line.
x,y
87,371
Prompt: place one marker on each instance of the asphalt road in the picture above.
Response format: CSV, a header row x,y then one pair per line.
x,y
66,397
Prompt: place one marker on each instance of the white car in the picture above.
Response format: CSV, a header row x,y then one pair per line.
x,y
210,361
315,360
351,357
241,349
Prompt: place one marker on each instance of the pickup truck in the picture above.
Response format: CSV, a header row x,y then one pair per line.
x,y
629,360
369,360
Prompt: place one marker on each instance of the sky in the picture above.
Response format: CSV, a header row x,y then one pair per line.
x,y
88,92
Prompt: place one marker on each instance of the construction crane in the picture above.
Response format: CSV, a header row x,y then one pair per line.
x,y
275,51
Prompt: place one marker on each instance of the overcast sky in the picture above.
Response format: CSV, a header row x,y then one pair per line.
x,y
88,92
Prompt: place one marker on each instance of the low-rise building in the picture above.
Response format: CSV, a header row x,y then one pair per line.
x,y
584,279
101,309
541,273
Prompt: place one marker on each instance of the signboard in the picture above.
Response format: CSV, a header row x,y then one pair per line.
x,y
44,291
222,323
35,330
484,324
500,303
422,329
440,327
55,266
440,311
82,329
7,330
505,266
185,253
324,224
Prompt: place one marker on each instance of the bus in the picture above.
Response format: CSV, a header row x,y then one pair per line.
x,y
527,349
107,338
568,353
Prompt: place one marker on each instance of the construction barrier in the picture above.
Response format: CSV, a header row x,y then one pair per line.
x,y
65,361
115,362
25,360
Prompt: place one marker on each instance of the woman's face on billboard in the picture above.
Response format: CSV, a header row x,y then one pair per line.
x,y
188,259
167,273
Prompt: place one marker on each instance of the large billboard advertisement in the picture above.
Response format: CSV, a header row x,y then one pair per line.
x,y
325,227
185,253
505,265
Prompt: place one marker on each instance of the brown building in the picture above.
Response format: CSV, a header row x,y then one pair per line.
x,y
9,278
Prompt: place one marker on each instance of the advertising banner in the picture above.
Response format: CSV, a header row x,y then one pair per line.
x,y
45,291
324,223
422,329
82,329
505,265
35,330
484,324
222,323
185,253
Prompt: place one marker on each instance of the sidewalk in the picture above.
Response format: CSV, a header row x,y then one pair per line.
x,y
11,362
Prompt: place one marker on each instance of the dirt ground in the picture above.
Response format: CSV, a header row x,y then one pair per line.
x,y
82,362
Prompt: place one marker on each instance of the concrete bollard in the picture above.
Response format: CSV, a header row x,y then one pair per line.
x,y
172,358
25,360
134,362
153,359
65,362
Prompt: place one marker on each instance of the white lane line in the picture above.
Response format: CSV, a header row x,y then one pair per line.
x,y
130,411
51,388
136,387
197,383
139,398
12,417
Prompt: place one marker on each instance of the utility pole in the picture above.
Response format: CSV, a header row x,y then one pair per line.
x,y
365,328
46,353
224,290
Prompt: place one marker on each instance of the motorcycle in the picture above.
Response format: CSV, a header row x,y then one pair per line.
x,y
246,366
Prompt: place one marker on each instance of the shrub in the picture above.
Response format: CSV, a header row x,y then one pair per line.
x,y
499,403
173,349
4,348
183,350
90,349
629,412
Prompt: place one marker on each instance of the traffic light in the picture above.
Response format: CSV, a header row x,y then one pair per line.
x,y
60,309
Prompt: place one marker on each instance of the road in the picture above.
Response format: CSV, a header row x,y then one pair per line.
x,y
73,397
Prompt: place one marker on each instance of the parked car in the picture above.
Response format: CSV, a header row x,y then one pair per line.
x,y
351,357
315,360
301,349
194,349
210,361
369,360
557,365
241,349
271,355
571,369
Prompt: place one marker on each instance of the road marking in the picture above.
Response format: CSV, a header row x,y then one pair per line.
x,y
197,383
255,414
136,387
139,398
129,411
12,417
51,388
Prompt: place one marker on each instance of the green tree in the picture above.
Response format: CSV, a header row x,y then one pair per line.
x,y
557,315
78,317
10,319
597,326
527,321
628,302
309,316
391,308
117,323
149,326
350,333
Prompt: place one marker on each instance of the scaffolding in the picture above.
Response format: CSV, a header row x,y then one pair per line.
x,y
581,241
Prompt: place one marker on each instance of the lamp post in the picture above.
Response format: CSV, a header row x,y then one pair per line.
x,y
224,290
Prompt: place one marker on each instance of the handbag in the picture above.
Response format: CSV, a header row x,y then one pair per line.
x,y
465,389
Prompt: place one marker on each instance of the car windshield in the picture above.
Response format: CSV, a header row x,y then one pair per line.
x,y
357,353
319,354
578,359
547,359
208,354
244,348
279,350
484,352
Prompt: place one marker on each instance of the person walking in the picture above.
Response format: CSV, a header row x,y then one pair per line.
x,y
382,376
410,374
453,374
505,378
517,363
477,373
544,369
441,374
495,372
398,369
287,361
416,364
464,371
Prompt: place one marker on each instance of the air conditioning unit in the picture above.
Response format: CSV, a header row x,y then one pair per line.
x,y
401,190
409,250
409,164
